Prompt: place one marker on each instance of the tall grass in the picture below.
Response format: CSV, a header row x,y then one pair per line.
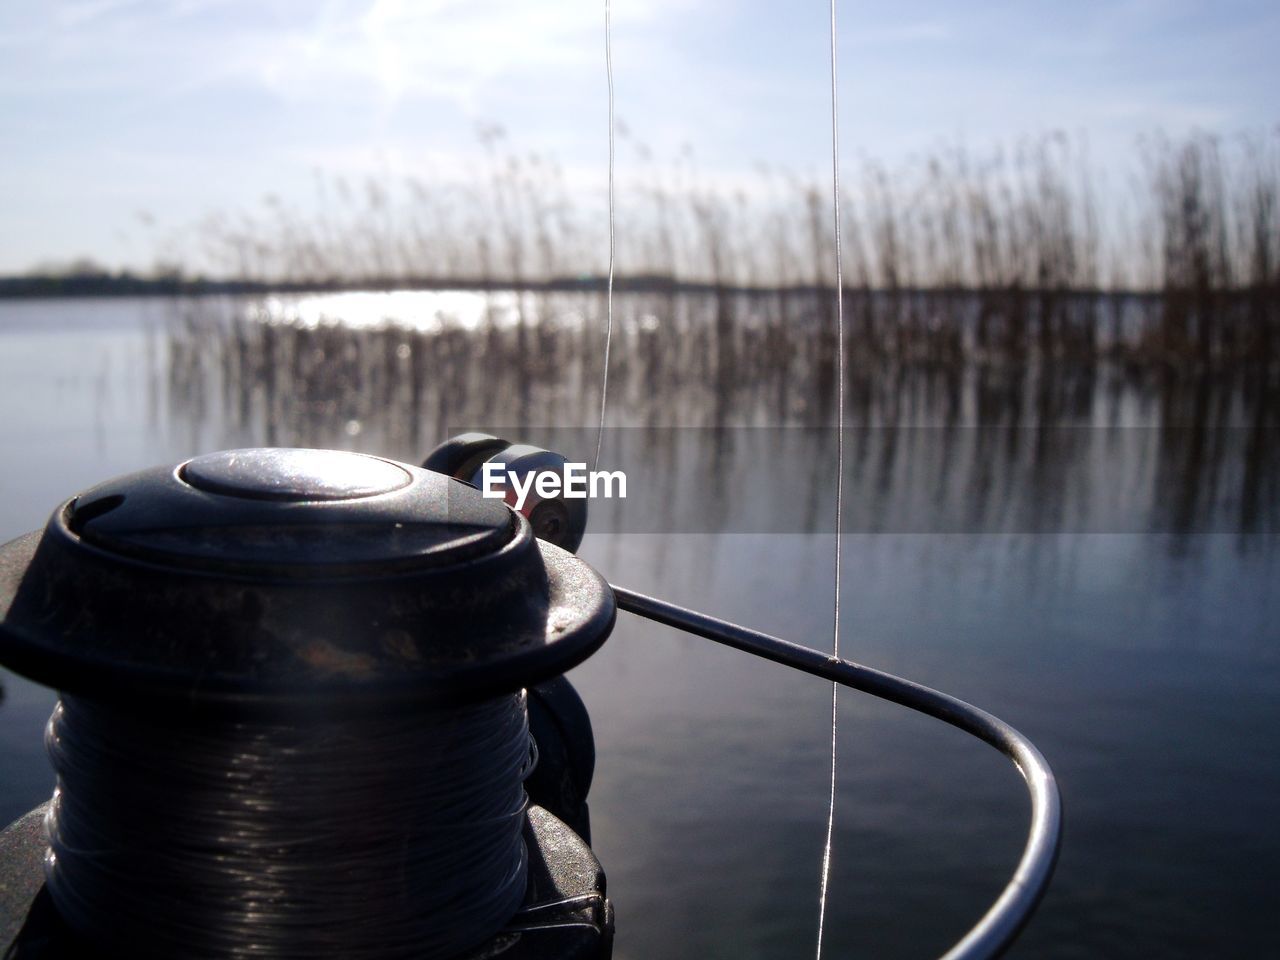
x,y
1005,254
995,446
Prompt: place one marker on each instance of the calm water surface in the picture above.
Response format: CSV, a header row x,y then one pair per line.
x,y
1137,646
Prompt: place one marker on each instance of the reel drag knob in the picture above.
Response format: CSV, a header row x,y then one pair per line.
x,y
555,517
515,469
459,457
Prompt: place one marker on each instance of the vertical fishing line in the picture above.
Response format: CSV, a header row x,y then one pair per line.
x,y
835,632
608,336
380,838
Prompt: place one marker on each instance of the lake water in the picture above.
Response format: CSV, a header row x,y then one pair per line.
x,y
1089,553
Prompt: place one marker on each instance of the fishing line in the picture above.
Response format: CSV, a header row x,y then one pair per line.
x,y
608,336
840,378
381,838
835,632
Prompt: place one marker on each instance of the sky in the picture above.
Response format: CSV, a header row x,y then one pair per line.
x,y
124,123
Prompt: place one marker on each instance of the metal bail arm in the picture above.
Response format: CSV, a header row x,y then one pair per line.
x,y
993,934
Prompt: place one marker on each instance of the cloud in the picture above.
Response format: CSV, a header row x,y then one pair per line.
x,y
397,49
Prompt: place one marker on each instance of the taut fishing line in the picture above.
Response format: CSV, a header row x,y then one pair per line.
x,y
608,336
376,838
835,631
840,378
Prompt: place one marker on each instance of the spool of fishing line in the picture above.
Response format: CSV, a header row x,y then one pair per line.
x,y
292,720
378,838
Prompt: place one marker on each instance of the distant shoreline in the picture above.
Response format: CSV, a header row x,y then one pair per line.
x,y
49,287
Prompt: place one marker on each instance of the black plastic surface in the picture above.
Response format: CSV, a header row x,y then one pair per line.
x,y
294,475
462,455
278,513
561,726
429,594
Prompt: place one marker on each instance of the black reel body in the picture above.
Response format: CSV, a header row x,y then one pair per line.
x,y
281,592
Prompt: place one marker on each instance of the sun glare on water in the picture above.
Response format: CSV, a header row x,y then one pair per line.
x,y
428,311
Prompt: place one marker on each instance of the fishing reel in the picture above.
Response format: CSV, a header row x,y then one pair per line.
x,y
282,671
296,695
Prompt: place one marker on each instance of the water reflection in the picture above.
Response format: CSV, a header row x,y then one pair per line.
x,y
1144,666
726,423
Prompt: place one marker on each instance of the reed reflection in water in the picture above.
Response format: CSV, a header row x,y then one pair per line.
x,y
1145,666
725,426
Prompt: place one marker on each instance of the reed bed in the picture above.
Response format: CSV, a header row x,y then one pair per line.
x,y
1010,448
1014,340
1001,257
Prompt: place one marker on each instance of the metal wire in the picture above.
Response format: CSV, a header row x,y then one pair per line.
x,y
1005,918
376,839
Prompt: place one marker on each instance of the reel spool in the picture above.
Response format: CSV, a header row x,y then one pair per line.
x,y
290,591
